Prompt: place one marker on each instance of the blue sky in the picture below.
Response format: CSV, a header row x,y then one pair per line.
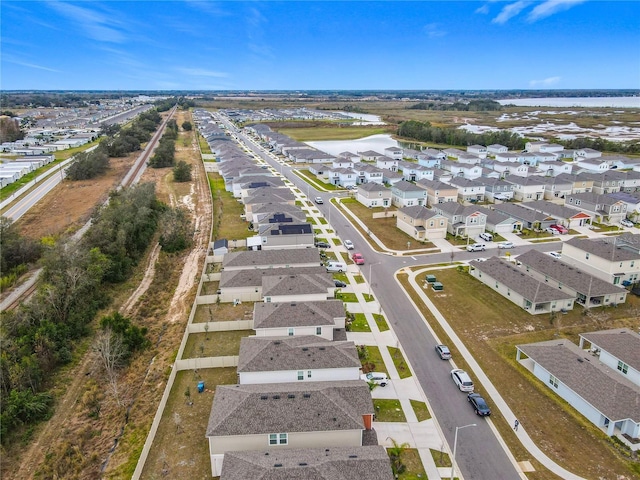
x,y
260,45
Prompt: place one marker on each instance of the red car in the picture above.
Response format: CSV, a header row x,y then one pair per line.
x,y
358,258
560,228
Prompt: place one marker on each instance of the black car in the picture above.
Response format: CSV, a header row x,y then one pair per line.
x,y
339,283
322,245
479,405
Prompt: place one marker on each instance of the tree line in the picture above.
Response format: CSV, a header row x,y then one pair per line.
x,y
168,103
425,132
38,337
480,105
600,144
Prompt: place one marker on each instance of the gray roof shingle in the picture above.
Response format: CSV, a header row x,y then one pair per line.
x,y
259,258
609,392
270,354
337,463
289,407
297,284
254,277
622,343
298,314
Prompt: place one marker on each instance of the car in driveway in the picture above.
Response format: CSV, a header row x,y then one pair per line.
x,y
552,231
357,258
626,223
555,255
348,244
318,200
479,405
443,351
506,245
339,284
322,245
462,380
561,229
379,378
476,247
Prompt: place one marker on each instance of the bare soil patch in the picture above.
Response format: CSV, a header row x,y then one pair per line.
x,y
223,312
214,344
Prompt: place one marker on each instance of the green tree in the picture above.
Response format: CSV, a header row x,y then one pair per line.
x,y
187,126
182,172
395,455
176,228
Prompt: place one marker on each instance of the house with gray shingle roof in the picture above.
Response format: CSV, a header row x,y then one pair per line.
x,y
562,215
438,192
278,236
421,223
594,389
618,349
528,217
297,358
374,195
498,222
339,463
407,194
511,282
469,190
614,260
253,259
300,318
589,291
281,416
603,208
298,287
463,221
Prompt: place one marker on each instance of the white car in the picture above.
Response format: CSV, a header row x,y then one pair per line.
x,y
626,223
379,378
555,255
506,245
348,244
476,247
318,200
552,231
462,380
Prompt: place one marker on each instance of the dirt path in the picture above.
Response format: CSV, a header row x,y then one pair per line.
x,y
128,306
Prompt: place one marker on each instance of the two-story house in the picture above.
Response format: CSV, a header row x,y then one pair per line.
x,y
406,194
374,195
421,223
462,221
438,192
526,189
468,190
603,208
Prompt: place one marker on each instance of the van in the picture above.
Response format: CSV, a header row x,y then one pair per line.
x,y
462,380
476,247
333,267
486,236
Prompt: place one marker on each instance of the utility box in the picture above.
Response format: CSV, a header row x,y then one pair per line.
x,y
200,387
431,278
437,286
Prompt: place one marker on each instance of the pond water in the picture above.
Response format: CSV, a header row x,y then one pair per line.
x,y
377,143
616,102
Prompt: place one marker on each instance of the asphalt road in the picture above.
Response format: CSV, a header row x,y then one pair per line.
x,y
479,454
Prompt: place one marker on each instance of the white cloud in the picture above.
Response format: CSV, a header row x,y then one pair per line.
x,y
547,82
484,9
201,72
95,24
433,30
550,7
29,65
511,10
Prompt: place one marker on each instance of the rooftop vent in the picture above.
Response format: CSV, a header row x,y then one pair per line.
x,y
580,360
276,397
263,397
322,348
302,464
291,395
353,456
305,349
277,465
306,395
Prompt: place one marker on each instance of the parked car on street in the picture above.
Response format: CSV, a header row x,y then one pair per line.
x,y
479,405
626,223
462,380
443,351
322,245
476,247
357,258
486,236
506,245
348,244
379,378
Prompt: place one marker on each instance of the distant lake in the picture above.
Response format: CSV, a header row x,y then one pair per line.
x,y
377,143
367,119
615,102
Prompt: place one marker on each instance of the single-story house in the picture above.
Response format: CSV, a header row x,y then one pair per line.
x,y
297,287
287,415
325,318
511,282
296,359
264,259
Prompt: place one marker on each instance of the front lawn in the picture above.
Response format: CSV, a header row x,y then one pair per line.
x,y
414,470
359,323
421,410
398,360
381,322
371,359
388,410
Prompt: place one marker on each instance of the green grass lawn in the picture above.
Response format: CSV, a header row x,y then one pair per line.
x,y
227,222
219,344
388,410
359,323
441,458
347,297
368,297
381,322
342,277
312,180
421,410
322,220
398,360
330,131
372,359
410,458
204,146
358,278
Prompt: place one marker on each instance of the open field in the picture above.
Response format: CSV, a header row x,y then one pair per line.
x,y
330,131
180,449
490,327
383,228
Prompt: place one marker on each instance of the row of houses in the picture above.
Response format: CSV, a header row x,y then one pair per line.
x,y
599,377
300,409
13,170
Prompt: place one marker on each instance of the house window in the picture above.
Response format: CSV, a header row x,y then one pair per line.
x,y
442,223
553,381
623,367
496,284
268,299
290,331
308,373
586,255
632,263
318,330
300,374
431,223
508,292
278,438
616,280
